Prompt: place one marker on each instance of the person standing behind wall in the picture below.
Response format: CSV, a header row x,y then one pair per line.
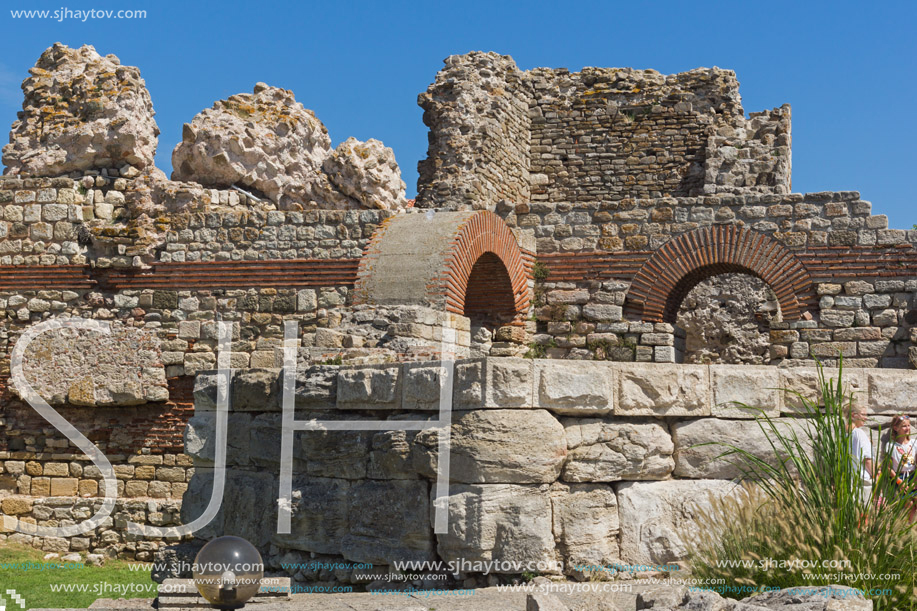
x,y
861,449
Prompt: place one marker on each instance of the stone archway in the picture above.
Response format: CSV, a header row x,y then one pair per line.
x,y
459,262
671,272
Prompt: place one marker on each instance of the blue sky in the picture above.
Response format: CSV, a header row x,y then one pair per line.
x,y
847,69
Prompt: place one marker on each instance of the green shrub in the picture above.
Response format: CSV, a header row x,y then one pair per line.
x,y
805,507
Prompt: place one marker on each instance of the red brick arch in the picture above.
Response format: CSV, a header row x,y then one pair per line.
x,y
453,260
664,280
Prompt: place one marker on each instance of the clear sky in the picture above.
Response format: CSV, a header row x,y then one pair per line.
x,y
847,68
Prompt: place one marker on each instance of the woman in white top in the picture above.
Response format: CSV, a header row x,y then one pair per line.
x,y
902,452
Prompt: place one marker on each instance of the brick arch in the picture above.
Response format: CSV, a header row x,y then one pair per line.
x,y
428,259
664,280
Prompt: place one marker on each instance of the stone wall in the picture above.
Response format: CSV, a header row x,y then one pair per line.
x,y
599,135
478,114
610,450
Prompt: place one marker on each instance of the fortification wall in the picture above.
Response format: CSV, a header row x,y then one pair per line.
x,y
604,448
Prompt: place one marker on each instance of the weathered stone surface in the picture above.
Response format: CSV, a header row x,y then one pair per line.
x,y
892,390
725,320
581,388
700,461
256,390
341,454
611,450
319,519
585,524
367,172
264,140
316,387
200,438
814,598
252,514
494,382
657,519
376,387
498,446
804,381
502,522
389,521
422,385
81,111
754,387
662,390
88,368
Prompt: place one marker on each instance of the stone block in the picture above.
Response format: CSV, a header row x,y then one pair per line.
x,y
251,514
389,521
41,486
56,469
574,388
422,383
316,387
369,387
494,382
88,487
659,519
892,391
498,522
585,520
196,362
170,474
837,318
694,460
756,387
319,518
256,390
338,454
497,446
63,486
136,488
803,381
16,506
662,389
611,449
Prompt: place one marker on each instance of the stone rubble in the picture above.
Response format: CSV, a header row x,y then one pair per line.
x,y
81,111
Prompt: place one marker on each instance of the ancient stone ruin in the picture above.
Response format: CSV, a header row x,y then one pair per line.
x,y
568,246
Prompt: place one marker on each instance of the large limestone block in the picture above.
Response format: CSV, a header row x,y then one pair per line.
x,y
503,523
256,390
692,459
498,446
754,386
659,519
84,367
342,454
319,518
494,382
892,390
389,521
316,387
249,508
369,387
263,140
612,449
367,172
200,438
804,381
585,525
81,111
578,388
659,389
423,385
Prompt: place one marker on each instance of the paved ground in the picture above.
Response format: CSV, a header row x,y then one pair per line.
x,y
483,599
